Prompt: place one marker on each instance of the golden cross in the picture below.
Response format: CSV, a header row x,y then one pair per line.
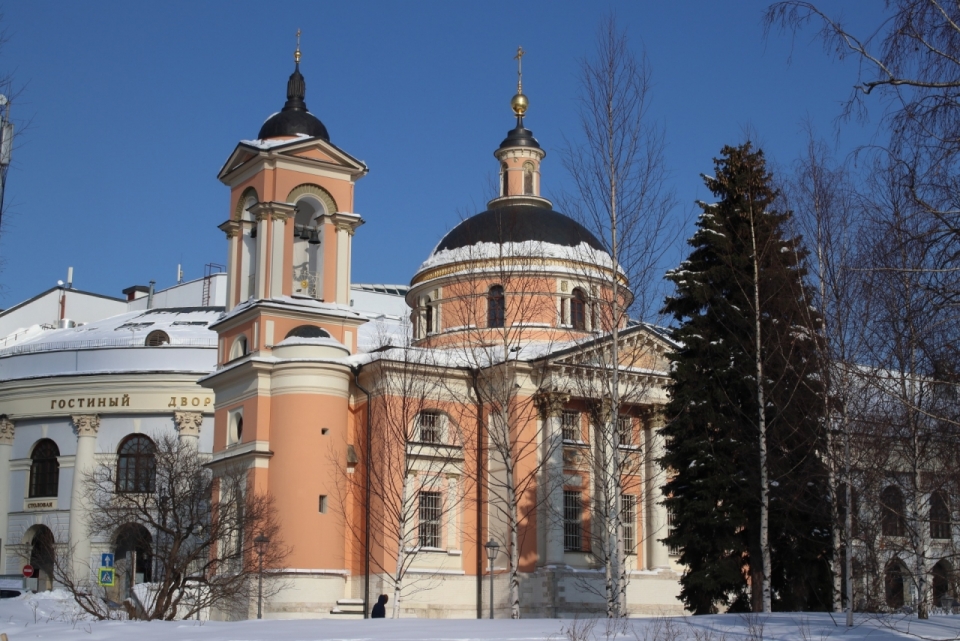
x,y
296,54
519,59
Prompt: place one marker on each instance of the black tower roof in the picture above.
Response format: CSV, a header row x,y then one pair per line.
x,y
294,118
520,137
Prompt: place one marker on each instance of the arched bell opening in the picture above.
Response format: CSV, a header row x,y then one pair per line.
x,y
308,247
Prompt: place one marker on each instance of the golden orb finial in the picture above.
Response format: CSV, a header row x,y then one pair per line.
x,y
296,54
519,102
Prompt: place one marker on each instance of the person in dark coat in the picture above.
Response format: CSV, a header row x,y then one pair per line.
x,y
380,608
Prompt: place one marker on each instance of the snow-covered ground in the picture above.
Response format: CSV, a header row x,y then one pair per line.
x,y
51,615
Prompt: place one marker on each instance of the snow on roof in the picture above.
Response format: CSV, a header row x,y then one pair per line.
x,y
270,143
186,326
333,309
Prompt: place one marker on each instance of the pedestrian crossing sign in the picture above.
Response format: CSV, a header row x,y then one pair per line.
x,y
107,577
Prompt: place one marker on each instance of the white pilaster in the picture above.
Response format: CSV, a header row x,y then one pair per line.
x,y
232,241
263,251
6,445
656,513
86,426
277,255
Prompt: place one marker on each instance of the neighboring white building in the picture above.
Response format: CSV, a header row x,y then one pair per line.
x,y
86,378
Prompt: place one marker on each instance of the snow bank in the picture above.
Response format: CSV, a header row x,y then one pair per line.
x,y
51,615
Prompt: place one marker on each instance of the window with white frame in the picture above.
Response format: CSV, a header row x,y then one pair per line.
x,y
572,521
430,426
625,430
628,516
429,516
570,425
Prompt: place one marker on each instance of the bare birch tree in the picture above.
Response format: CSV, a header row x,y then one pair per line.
x,y
618,191
502,314
823,199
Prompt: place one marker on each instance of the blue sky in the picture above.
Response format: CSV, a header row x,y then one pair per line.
x,y
131,108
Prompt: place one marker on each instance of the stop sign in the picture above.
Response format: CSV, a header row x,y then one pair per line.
x,y
28,571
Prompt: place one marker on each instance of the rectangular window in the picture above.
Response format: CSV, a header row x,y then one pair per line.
x,y
430,519
628,516
625,430
570,425
322,507
572,521
672,550
429,427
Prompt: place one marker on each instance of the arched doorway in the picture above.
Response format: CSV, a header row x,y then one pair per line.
x,y
893,580
133,549
942,584
42,556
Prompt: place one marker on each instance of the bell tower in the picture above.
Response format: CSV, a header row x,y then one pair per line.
x,y
282,384
291,224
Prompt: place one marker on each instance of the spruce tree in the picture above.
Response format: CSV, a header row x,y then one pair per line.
x,y
743,286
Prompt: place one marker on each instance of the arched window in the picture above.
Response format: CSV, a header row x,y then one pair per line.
x,y
44,469
503,180
156,338
43,556
578,310
429,317
495,306
939,516
239,347
136,465
893,583
134,545
308,331
941,584
528,179
891,512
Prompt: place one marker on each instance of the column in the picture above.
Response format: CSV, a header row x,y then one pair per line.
x,y
551,407
188,427
278,258
345,225
263,253
656,513
6,445
86,426
232,229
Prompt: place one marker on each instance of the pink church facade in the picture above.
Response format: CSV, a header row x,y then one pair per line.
x,y
470,421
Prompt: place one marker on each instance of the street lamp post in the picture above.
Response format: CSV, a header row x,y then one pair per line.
x,y
492,548
260,543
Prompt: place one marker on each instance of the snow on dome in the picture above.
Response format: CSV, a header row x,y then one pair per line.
x,y
583,253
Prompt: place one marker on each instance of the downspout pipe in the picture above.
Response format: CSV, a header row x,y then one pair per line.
x,y
366,495
474,378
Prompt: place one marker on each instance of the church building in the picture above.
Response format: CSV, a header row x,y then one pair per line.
x,y
411,458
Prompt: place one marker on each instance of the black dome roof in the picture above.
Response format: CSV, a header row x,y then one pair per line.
x,y
518,223
294,118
